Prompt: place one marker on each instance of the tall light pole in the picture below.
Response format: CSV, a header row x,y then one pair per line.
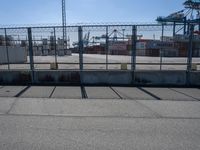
x,y
64,23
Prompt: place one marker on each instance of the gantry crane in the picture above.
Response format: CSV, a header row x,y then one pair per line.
x,y
185,16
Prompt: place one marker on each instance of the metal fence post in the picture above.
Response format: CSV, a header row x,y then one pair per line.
x,y
107,47
161,50
190,51
30,43
55,47
80,46
7,53
133,56
134,41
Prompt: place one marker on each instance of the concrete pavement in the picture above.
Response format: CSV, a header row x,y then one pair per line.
x,y
60,124
170,94
109,118
67,92
38,92
10,91
101,93
91,92
132,93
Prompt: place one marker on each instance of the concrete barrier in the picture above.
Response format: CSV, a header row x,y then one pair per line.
x,y
160,78
195,78
107,77
126,78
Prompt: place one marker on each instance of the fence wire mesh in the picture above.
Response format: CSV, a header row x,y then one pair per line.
x,y
104,47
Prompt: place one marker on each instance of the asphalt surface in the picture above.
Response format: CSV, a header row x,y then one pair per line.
x,y
108,118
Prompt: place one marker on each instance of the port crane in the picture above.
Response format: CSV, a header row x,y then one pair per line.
x,y
190,14
116,35
86,40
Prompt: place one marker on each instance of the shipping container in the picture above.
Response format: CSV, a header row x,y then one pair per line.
x,y
15,54
153,52
61,52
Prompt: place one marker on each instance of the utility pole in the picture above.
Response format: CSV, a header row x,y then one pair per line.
x,y
64,23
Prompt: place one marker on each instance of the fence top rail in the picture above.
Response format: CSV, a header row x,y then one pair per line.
x,y
86,25
119,63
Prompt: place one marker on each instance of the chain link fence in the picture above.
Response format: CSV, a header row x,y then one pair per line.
x,y
101,47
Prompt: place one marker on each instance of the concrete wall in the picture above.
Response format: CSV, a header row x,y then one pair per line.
x,y
160,77
139,78
16,54
195,78
15,77
107,77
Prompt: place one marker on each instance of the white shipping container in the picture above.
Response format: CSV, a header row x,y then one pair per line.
x,y
45,52
61,52
44,41
61,47
46,47
141,45
52,52
68,52
118,46
37,52
16,54
60,41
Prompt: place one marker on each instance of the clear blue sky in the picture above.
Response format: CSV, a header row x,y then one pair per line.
x,y
49,11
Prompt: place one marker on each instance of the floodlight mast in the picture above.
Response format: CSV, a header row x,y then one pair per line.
x,y
64,23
